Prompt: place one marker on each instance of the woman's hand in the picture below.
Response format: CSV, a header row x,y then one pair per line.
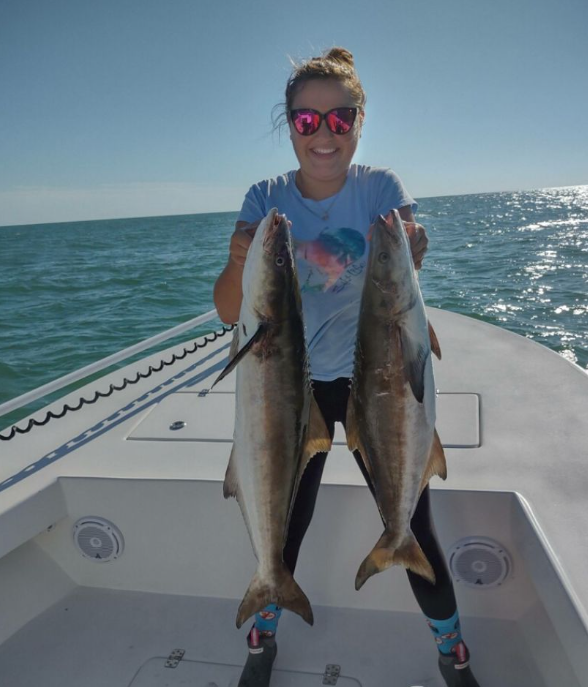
x,y
417,238
228,292
228,288
241,240
419,241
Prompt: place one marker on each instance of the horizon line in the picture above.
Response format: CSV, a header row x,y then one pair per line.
x,y
222,212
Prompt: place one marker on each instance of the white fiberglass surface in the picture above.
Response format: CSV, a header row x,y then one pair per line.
x,y
203,674
187,588
99,637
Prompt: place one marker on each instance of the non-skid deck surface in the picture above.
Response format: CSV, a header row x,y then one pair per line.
x,y
155,674
102,638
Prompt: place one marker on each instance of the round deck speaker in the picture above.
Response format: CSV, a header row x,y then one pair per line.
x,y
98,539
479,562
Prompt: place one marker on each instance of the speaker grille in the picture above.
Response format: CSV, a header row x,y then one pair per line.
x,y
479,562
98,539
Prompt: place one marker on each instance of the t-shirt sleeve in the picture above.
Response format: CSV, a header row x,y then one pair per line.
x,y
255,202
390,194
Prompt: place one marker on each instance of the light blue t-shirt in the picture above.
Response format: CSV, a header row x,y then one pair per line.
x,y
331,254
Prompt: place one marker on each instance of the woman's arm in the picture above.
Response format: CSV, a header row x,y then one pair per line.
x,y
228,292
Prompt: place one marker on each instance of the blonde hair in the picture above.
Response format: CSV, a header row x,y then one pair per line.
x,y
336,64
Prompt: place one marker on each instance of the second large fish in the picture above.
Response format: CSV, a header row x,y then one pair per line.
x,y
278,425
391,412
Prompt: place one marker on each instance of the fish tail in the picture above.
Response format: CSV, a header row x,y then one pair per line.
x,y
409,554
285,593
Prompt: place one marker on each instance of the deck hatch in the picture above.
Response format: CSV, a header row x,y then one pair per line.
x,y
211,417
458,421
205,674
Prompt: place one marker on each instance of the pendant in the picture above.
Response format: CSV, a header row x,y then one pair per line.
x,y
325,217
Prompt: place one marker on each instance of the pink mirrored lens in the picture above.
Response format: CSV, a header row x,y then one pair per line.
x,y
340,120
306,122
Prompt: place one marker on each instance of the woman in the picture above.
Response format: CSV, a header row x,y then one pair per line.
x,y
331,204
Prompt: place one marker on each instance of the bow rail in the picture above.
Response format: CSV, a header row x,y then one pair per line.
x,y
66,380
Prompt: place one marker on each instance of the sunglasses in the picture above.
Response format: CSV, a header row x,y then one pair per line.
x,y
339,120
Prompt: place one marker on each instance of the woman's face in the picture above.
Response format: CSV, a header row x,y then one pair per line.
x,y
324,157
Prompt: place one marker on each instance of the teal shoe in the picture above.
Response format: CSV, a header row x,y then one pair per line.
x,y
455,668
262,654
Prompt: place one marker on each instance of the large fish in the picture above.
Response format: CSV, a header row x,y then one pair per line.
x,y
278,425
391,411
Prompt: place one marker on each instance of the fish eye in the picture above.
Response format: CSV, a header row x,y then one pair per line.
x,y
383,257
280,261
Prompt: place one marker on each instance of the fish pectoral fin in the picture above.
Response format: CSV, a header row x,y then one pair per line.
x,y
231,484
414,358
437,464
434,341
318,439
233,362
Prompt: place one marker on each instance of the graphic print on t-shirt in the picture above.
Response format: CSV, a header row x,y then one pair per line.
x,y
330,258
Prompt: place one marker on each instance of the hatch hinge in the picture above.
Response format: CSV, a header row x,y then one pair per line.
x,y
331,674
174,658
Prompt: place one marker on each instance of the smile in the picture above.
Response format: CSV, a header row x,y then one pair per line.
x,y
323,151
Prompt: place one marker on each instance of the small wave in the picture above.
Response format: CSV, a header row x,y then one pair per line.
x,y
518,260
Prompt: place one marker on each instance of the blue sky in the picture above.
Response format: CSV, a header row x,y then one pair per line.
x,y
124,108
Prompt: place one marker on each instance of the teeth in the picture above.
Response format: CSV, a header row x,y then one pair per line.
x,y
324,151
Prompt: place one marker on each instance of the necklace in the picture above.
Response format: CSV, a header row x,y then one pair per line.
x,y
324,214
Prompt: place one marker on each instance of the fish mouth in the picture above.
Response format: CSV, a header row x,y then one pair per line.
x,y
392,226
272,231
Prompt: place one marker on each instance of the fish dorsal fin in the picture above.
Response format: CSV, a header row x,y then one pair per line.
x,y
231,484
351,427
414,357
352,434
261,330
318,439
437,464
434,341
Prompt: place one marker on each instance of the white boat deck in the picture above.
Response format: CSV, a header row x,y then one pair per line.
x,y
513,420
99,637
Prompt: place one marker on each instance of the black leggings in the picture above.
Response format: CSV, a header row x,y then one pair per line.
x,y
436,601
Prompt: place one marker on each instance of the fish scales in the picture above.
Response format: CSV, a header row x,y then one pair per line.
x,y
268,388
391,413
278,426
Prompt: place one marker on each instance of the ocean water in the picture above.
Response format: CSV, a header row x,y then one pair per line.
x,y
76,292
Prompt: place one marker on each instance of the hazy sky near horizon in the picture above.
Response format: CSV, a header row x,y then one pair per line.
x,y
144,107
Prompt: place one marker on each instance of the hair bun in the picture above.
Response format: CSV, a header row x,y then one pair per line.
x,y
341,55
336,63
